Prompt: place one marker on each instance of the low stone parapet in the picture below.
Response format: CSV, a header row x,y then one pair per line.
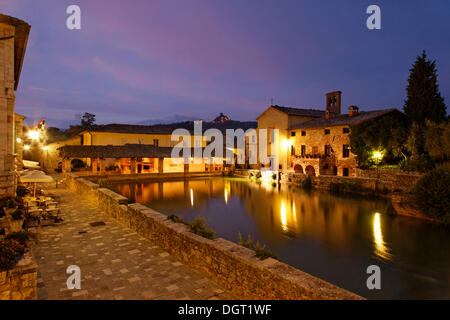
x,y
233,266
20,283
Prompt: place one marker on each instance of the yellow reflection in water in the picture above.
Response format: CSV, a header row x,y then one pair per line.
x,y
283,216
192,197
380,247
227,192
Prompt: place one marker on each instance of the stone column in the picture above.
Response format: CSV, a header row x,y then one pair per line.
x,y
7,99
102,166
94,164
160,165
186,168
133,165
65,166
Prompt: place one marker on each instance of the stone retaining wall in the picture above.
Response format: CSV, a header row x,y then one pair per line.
x,y
398,183
20,283
233,266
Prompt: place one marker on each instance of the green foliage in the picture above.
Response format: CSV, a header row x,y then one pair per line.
x,y
10,251
200,227
260,251
387,133
17,215
420,163
55,134
103,183
432,194
424,100
176,219
23,237
22,191
247,243
87,121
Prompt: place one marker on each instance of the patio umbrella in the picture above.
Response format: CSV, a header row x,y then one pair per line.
x,y
30,164
36,177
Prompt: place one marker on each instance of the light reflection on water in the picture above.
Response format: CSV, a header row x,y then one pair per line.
x,y
334,238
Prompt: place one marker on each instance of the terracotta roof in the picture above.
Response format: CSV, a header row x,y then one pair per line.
x,y
343,119
22,30
125,151
300,112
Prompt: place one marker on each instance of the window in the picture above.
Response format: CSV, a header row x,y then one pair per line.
x,y
292,151
293,134
82,140
315,150
327,131
345,172
346,130
155,142
303,150
327,150
345,151
303,133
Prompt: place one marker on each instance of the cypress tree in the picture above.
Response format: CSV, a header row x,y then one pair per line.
x,y
424,100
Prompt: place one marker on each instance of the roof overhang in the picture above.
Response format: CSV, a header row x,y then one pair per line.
x,y
21,33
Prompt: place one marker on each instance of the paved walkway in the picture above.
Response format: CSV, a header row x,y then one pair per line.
x,y
115,262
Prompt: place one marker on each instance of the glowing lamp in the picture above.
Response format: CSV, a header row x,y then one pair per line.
x,y
33,134
19,140
26,147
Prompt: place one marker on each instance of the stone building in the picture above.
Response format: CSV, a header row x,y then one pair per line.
x,y
129,136
13,42
316,142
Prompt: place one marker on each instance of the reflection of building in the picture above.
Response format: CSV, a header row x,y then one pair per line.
x,y
13,43
316,142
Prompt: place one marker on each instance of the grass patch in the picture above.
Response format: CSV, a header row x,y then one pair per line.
x,y
200,227
176,219
260,251
103,183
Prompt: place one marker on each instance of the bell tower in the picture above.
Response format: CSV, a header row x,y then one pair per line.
x,y
333,102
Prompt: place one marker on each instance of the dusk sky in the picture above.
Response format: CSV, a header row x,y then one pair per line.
x,y
146,59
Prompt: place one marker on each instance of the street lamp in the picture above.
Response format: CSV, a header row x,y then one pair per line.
x,y
33,134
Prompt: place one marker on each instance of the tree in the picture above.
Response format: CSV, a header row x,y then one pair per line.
x,y
424,100
434,140
386,133
87,121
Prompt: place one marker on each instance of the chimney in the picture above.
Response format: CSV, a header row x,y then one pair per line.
x,y
353,111
334,102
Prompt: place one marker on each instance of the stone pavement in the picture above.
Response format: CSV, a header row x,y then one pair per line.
x,y
115,262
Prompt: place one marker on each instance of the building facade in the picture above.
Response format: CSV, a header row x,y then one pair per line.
x,y
13,42
316,142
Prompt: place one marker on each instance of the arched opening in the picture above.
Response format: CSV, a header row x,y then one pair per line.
x,y
309,170
77,164
298,168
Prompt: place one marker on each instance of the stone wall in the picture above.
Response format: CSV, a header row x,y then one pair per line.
x,y
388,182
20,283
231,265
7,99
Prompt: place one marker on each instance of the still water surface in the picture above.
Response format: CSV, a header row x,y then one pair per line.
x,y
331,237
